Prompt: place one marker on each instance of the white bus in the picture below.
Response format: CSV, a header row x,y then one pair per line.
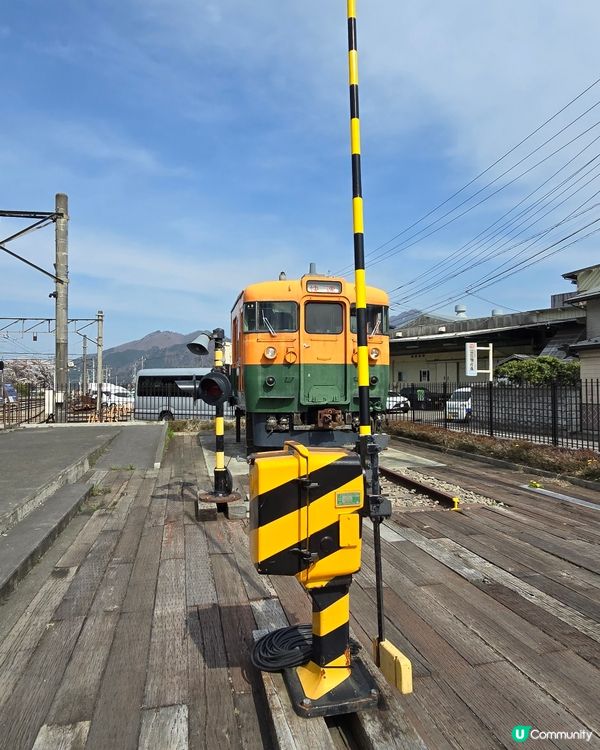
x,y
157,395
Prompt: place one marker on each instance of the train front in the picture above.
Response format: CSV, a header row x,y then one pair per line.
x,y
295,360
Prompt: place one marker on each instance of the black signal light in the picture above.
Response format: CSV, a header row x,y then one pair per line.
x,y
215,388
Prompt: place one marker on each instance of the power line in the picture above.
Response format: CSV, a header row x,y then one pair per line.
x,y
491,166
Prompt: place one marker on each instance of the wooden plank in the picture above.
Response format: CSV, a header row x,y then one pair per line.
x,y
24,712
217,534
549,624
57,737
257,586
142,583
166,681
165,727
74,701
212,722
541,709
121,503
291,732
158,498
293,598
476,570
117,714
199,581
569,615
84,585
77,552
238,625
173,543
443,720
111,591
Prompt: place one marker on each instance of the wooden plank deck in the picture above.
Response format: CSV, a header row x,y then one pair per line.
x,y
137,631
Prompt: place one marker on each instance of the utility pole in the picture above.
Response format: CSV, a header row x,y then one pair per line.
x,y
84,386
99,365
62,306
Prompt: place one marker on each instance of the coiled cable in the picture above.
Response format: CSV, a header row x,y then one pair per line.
x,y
286,648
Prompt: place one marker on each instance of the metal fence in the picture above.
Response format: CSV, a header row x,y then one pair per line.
x,y
556,414
22,405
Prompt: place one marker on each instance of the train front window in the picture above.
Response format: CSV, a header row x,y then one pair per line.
x,y
270,317
377,320
323,317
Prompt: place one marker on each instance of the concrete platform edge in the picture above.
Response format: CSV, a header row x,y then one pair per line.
x,y
69,475
9,581
160,448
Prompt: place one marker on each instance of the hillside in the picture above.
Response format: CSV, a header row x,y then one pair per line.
x,y
157,349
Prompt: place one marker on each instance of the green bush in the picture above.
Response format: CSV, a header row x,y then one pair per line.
x,y
577,463
540,371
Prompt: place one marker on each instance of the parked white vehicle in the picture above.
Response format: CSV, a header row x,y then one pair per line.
x,y
396,402
113,395
459,406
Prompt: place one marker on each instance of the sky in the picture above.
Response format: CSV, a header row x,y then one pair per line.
x,y
205,146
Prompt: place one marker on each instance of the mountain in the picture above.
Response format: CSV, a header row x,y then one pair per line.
x,y
157,349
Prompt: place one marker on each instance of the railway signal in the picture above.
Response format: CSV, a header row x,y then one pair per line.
x,y
214,389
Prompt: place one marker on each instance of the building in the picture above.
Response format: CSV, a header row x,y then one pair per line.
x,y
435,352
587,296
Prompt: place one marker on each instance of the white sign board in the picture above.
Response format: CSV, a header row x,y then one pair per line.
x,y
471,359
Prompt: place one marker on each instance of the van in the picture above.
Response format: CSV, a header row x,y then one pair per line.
x,y
459,405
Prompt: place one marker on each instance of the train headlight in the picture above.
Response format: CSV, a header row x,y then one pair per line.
x,y
270,352
374,353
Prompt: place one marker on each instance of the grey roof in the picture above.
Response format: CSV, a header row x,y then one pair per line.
x,y
573,274
587,344
559,344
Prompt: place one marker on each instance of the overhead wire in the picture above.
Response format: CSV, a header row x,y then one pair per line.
x,y
476,241
489,168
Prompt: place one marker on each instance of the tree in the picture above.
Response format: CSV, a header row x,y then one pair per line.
x,y
540,371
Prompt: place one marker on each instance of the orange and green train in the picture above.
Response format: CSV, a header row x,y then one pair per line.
x,y
295,356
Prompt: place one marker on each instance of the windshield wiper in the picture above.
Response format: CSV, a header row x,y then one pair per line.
x,y
268,325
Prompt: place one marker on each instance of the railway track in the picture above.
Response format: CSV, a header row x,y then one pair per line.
x,y
444,498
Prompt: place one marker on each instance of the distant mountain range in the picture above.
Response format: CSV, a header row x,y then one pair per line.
x,y
157,349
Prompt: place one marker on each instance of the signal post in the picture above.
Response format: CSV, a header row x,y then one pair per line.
x,y
214,389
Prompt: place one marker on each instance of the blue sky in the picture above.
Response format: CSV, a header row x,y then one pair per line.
x,y
204,145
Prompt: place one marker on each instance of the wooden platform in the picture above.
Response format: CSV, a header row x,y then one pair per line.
x,y
134,630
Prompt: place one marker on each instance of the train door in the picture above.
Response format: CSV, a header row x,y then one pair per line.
x,y
323,353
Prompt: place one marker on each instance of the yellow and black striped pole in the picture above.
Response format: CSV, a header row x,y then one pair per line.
x,y
379,508
220,471
359,237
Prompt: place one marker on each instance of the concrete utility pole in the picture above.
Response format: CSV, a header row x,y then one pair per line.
x,y
84,380
62,307
99,367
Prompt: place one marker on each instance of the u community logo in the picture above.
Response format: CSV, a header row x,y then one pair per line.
x,y
520,733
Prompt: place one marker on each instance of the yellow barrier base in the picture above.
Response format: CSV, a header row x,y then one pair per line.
x,y
394,665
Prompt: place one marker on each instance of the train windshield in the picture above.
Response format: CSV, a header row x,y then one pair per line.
x,y
377,320
323,317
270,317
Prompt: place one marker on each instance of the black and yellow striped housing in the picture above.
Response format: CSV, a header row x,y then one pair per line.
x,y
305,513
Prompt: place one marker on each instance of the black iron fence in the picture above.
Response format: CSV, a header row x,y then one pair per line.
x,y
556,414
23,403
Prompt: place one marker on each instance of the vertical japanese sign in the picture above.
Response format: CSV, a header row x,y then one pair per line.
x,y
471,359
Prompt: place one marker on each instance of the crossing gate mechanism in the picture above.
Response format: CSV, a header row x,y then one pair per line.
x,y
305,521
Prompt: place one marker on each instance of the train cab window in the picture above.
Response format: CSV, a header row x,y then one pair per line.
x,y
324,317
270,317
377,320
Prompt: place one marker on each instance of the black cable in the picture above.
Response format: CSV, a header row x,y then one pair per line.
x,y
498,160
286,648
283,648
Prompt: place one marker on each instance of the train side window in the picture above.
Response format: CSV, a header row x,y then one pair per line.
x,y
270,317
324,317
377,320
